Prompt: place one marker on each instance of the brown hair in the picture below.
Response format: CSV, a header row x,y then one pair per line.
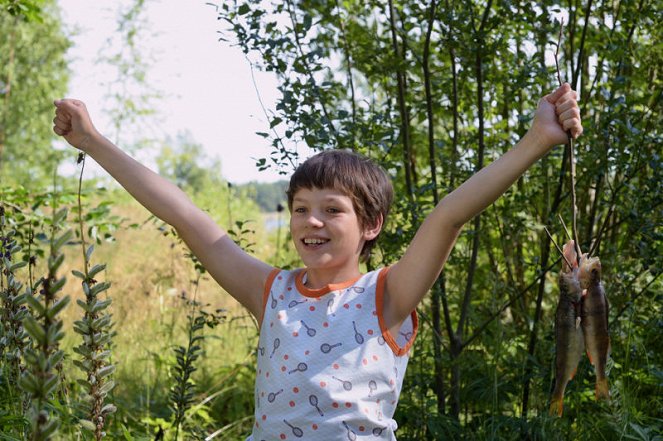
x,y
359,178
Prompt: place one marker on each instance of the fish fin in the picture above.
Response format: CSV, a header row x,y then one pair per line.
x,y
602,390
556,407
573,374
590,358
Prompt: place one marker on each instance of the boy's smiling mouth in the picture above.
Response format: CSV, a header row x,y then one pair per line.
x,y
314,241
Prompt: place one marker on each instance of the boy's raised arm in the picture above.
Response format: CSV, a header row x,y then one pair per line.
x,y
240,274
414,274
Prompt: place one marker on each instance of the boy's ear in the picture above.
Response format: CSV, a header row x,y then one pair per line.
x,y
372,232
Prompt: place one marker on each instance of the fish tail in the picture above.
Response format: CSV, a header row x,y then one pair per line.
x,y
602,390
556,407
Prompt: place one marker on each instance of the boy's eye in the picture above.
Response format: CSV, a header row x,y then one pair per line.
x,y
300,210
333,210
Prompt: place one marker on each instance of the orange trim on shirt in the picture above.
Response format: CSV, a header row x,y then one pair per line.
x,y
379,305
268,287
319,292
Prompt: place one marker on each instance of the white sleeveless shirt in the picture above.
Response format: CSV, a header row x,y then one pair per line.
x,y
328,368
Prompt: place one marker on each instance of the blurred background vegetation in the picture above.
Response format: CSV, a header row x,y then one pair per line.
x,y
431,90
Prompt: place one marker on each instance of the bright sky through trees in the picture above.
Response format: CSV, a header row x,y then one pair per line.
x,y
207,84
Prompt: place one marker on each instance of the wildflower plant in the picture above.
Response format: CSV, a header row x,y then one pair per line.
x,y
13,337
41,379
183,392
96,328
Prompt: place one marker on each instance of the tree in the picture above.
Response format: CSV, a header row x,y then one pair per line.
x,y
33,73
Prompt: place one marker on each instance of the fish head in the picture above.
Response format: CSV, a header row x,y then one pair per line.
x,y
590,271
569,286
570,256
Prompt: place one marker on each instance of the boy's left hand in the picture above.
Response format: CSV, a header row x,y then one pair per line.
x,y
556,114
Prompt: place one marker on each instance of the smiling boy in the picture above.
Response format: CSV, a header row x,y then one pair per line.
x,y
334,343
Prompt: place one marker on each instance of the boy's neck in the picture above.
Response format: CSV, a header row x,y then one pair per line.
x,y
319,278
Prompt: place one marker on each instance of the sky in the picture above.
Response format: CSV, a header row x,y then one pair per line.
x,y
207,85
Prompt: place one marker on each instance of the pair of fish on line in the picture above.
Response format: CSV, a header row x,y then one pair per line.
x,y
581,324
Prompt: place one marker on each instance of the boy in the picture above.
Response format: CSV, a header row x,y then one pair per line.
x,y
333,343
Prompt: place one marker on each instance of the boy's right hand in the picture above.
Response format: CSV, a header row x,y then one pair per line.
x,y
72,121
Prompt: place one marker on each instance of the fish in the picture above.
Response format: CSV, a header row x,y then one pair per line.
x,y
569,338
594,322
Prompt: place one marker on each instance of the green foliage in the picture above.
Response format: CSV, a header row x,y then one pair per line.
x,y
41,379
33,72
183,392
95,327
183,162
28,10
365,76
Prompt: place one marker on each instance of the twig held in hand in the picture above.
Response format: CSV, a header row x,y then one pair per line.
x,y
574,225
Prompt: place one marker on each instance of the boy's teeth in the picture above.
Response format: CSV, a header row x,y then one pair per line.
x,y
314,241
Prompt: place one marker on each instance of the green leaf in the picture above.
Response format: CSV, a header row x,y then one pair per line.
x,y
89,252
127,434
16,266
100,305
60,216
96,269
56,358
108,408
99,287
105,371
54,263
107,387
87,425
86,384
78,274
60,241
28,383
51,384
57,286
58,306
82,304
35,330
36,305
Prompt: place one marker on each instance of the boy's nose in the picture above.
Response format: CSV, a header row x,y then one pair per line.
x,y
314,220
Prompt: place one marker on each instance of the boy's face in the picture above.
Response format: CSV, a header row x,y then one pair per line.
x,y
326,230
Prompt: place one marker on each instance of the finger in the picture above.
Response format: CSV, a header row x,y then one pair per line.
x,y
570,96
557,94
59,131
563,106
68,106
573,125
62,113
61,119
572,113
62,126
577,131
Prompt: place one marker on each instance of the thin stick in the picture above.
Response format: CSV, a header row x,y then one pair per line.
x,y
558,248
566,230
574,225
